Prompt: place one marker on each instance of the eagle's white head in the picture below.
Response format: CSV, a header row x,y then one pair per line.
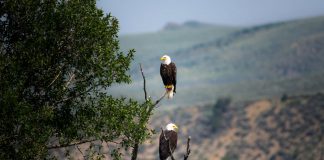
x,y
165,59
172,127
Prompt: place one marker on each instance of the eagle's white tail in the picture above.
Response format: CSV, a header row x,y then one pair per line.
x,y
170,92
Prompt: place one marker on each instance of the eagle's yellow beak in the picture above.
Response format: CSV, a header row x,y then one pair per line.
x,y
175,128
162,58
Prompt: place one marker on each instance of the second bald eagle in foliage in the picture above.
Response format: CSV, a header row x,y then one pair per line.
x,y
168,71
168,141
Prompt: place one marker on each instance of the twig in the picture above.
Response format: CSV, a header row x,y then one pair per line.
x,y
144,87
74,96
80,151
169,145
185,157
72,75
158,101
55,79
70,144
77,143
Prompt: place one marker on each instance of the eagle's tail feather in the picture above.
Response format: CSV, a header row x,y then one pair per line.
x,y
170,94
169,90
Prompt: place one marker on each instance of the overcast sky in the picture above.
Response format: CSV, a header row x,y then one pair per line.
x,y
138,16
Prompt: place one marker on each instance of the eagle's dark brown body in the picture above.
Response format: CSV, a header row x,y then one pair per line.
x,y
169,75
164,146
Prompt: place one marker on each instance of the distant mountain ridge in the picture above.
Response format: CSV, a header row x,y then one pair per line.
x,y
188,24
244,63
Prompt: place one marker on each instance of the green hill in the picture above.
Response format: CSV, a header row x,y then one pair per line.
x,y
289,129
243,63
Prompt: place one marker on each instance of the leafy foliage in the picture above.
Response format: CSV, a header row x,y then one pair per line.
x,y
58,59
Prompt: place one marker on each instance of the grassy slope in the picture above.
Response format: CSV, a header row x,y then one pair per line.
x,y
261,129
247,63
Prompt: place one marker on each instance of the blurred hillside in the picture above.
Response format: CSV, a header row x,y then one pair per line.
x,y
253,66
290,128
244,63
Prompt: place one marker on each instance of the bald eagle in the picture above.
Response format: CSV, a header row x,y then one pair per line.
x,y
168,71
172,135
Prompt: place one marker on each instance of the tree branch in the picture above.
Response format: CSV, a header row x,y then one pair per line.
x,y
185,157
74,96
81,152
70,144
169,145
72,75
158,101
77,143
144,87
135,148
55,78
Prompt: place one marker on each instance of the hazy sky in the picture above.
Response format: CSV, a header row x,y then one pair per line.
x,y
137,16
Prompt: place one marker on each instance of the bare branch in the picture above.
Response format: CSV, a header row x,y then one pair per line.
x,y
144,87
70,144
74,96
72,75
158,101
169,145
78,143
80,151
55,78
185,157
135,148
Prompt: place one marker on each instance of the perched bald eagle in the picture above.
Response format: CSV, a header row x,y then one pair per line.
x,y
171,133
168,71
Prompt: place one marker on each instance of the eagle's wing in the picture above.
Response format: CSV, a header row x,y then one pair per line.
x,y
173,136
164,146
174,76
163,74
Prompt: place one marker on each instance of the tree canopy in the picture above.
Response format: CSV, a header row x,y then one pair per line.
x,y
58,59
